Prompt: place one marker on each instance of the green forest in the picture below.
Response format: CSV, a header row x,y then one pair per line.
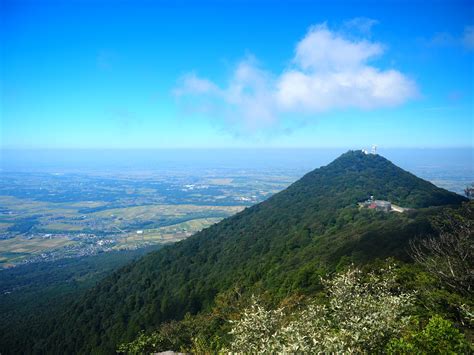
x,y
309,252
35,292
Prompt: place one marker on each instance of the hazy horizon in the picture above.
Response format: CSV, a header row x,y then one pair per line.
x,y
451,168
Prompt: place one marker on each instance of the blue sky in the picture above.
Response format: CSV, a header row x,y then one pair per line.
x,y
172,74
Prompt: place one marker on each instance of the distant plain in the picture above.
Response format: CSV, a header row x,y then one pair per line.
x,y
78,203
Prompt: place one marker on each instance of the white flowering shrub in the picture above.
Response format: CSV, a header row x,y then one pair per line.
x,y
258,329
362,313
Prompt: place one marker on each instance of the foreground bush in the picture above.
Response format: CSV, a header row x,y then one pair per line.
x,y
438,337
362,314
358,313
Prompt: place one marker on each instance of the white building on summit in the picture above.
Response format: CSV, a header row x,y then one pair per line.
x,y
372,151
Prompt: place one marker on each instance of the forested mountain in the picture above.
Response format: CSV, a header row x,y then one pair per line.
x,y
281,245
32,293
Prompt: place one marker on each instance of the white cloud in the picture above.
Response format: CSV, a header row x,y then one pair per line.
x,y
364,87
324,50
361,24
191,83
328,71
247,101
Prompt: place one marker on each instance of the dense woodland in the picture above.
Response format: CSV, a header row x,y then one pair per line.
x,y
184,296
31,293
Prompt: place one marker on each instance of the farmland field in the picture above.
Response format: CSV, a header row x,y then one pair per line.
x,y
48,216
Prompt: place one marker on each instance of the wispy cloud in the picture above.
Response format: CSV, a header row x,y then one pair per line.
x,y
362,25
468,37
330,70
444,39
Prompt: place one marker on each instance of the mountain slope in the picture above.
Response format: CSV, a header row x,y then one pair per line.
x,y
280,245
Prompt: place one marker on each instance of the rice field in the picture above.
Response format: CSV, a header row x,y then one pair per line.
x,y
15,249
166,234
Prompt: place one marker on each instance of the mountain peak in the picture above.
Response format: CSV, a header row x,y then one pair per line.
x,y
355,175
281,245
358,156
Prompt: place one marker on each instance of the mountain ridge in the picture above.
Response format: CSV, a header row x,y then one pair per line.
x,y
281,245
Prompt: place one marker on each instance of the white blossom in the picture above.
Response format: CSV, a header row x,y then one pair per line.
x,y
362,313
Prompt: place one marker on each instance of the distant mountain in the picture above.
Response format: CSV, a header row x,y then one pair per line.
x,y
281,245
